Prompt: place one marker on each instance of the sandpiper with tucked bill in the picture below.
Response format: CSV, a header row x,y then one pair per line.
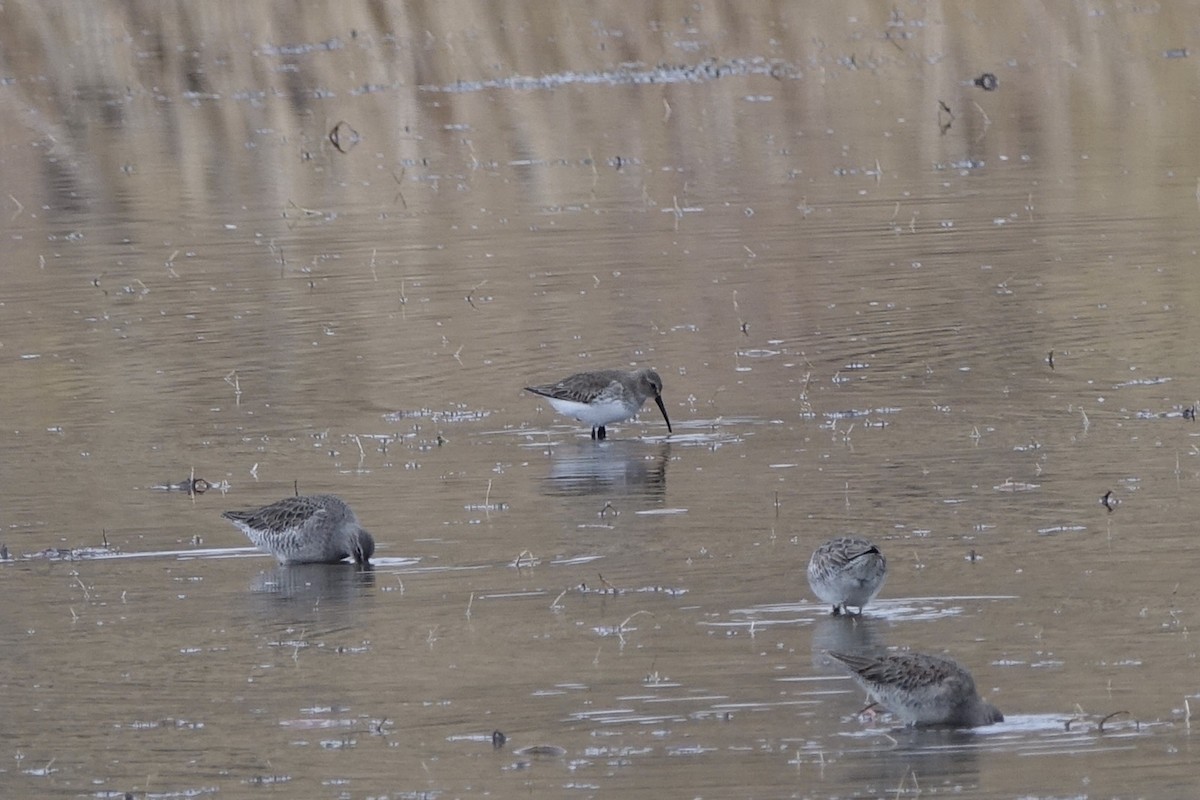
x,y
603,396
312,529
847,571
922,689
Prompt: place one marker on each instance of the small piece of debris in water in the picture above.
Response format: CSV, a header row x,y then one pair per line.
x,y
988,82
189,485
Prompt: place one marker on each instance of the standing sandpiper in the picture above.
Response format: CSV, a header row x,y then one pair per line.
x,y
315,529
922,689
604,396
847,571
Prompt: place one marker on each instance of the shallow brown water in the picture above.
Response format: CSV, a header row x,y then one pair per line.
x,y
852,295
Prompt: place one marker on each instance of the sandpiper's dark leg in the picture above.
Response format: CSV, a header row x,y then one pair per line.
x,y
837,610
593,433
601,433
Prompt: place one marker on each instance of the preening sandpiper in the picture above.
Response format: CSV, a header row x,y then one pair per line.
x,y
847,571
603,396
313,529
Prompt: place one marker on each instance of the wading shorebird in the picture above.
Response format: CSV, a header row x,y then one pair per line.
x,y
313,529
922,689
847,571
604,396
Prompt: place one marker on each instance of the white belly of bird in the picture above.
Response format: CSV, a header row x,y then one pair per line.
x,y
599,412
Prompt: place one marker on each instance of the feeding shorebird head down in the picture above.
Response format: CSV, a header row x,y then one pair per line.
x,y
604,396
921,689
313,529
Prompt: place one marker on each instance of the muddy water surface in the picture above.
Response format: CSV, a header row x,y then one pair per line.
x,y
883,299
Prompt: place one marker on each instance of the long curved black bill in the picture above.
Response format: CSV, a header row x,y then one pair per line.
x,y
663,409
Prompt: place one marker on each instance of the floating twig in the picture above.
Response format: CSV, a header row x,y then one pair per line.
x,y
471,294
232,380
308,212
904,780
742,324
866,708
621,627
944,123
400,192
987,121
525,558
343,137
1100,727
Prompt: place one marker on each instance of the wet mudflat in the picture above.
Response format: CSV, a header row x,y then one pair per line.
x,y
328,252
